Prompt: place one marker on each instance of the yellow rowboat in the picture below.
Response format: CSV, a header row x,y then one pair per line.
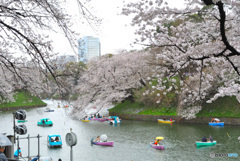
x,y
165,121
85,120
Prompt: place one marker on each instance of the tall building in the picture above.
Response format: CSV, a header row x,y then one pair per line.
x,y
88,48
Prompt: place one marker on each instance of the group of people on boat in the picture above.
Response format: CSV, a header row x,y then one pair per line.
x,y
215,120
96,116
205,139
92,117
166,119
55,140
64,106
43,121
158,142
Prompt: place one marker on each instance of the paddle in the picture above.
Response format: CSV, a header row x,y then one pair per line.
x,y
149,145
228,135
92,141
22,158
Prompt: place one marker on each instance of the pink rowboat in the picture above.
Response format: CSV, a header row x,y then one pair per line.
x,y
101,120
109,143
159,147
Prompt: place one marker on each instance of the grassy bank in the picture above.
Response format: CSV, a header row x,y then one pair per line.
x,y
129,107
222,107
23,99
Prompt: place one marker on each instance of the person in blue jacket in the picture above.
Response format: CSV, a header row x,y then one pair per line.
x,y
18,153
204,139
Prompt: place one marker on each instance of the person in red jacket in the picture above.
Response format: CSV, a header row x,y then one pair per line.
x,y
155,142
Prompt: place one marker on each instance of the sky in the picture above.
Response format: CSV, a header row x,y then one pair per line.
x,y
115,32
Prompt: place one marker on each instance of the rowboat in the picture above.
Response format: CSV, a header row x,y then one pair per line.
x,y
114,120
109,143
45,122
159,147
216,123
103,143
101,119
85,120
165,121
54,141
199,143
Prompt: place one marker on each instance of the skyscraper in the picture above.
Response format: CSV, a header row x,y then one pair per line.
x,y
88,48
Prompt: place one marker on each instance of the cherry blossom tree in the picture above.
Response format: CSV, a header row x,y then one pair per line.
x,y
208,43
25,26
68,75
111,79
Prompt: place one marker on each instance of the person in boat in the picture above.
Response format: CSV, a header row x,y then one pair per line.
x,y
210,139
97,140
52,140
57,139
18,152
213,120
155,142
217,120
164,118
160,142
43,121
170,119
204,139
98,115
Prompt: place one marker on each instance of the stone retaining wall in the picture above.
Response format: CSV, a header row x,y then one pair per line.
x,y
226,120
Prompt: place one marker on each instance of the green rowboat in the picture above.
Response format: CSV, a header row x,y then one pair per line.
x,y
199,143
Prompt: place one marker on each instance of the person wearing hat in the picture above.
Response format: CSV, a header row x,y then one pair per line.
x,y
18,151
2,155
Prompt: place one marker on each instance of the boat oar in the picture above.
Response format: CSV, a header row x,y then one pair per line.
x,y
92,141
228,135
149,145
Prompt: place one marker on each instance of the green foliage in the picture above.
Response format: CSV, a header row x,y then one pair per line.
x,y
168,100
23,99
222,107
110,55
196,17
129,107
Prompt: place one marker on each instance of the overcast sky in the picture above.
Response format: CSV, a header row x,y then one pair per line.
x,y
115,32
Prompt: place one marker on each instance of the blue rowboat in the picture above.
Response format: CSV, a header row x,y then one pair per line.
x,y
54,141
216,123
114,120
